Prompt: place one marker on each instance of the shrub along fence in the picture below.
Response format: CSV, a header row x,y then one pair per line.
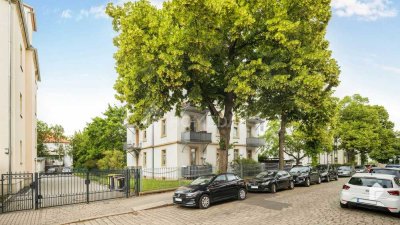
x,y
23,191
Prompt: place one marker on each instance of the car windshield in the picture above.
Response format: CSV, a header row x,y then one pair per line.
x,y
299,169
371,182
202,180
266,174
383,171
322,167
345,168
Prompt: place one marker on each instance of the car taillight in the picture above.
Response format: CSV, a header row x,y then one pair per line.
x,y
346,187
395,193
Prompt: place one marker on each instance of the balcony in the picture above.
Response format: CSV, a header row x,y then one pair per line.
x,y
196,137
255,141
132,147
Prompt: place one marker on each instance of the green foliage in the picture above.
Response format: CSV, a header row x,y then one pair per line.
x,y
43,131
113,159
366,129
271,147
100,135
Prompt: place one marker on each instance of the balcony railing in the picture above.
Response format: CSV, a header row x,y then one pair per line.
x,y
255,141
191,136
130,147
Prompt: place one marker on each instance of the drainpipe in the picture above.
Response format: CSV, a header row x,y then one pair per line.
x,y
10,95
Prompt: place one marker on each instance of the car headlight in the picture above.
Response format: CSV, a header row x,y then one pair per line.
x,y
192,194
266,183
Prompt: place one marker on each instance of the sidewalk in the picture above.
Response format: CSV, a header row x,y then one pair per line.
x,y
72,213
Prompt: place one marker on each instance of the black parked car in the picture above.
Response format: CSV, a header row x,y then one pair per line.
x,y
305,175
209,189
390,171
327,172
271,181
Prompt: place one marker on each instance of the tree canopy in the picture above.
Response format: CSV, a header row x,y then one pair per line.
x,y
99,139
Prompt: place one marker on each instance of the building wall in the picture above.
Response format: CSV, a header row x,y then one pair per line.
x,y
23,84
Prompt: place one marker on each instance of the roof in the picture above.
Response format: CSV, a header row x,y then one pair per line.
x,y
21,12
375,175
51,139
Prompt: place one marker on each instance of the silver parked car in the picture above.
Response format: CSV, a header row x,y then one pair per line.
x,y
346,171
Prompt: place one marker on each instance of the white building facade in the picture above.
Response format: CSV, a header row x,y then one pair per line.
x,y
19,75
189,140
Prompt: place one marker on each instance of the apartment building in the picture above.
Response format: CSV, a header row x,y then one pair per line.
x,y
19,75
189,140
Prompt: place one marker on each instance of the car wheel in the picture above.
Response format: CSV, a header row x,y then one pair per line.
x,y
319,180
291,185
337,177
273,188
204,202
241,194
328,179
344,205
307,183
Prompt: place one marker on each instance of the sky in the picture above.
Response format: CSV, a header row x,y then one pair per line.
x,y
74,40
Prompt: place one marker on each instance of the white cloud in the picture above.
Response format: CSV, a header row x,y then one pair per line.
x,y
66,14
94,11
369,10
391,69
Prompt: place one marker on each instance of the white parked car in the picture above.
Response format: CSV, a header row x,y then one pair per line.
x,y
371,190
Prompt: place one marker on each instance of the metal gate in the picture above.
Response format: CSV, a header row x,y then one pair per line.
x,y
17,192
54,189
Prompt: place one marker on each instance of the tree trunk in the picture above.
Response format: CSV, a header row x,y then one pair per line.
x,y
282,133
224,128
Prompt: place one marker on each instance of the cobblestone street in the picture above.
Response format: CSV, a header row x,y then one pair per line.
x,y
317,205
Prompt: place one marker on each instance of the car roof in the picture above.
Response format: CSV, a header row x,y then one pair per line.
x,y
378,168
376,175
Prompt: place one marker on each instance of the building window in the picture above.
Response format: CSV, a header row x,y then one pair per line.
x,y
236,130
193,157
144,135
144,159
20,152
235,154
193,124
20,58
249,154
163,128
20,105
248,131
163,157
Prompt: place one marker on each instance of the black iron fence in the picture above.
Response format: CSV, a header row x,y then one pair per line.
x,y
23,191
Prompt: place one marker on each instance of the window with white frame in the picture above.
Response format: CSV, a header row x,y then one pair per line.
x,y
163,128
144,135
163,157
144,159
235,154
236,130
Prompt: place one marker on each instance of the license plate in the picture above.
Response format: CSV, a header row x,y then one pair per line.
x,y
359,200
178,199
254,187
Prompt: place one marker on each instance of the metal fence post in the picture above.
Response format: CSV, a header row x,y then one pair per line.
x,y
87,182
127,182
2,194
36,190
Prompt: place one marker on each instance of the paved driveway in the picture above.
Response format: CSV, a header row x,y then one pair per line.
x,y
316,205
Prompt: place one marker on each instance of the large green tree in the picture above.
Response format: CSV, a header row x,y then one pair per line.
x,y
365,129
301,71
105,133
210,53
